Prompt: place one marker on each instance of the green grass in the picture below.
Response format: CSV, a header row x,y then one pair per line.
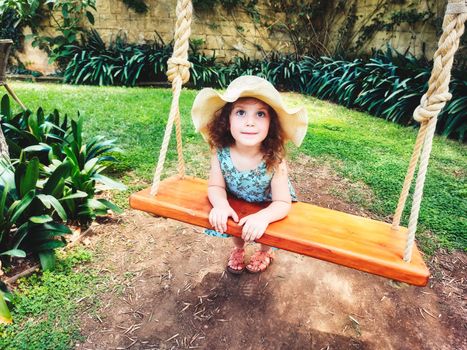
x,y
358,146
46,307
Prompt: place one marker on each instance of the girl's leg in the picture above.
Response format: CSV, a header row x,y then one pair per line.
x,y
236,262
239,243
265,248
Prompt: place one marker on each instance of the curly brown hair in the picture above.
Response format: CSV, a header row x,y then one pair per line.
x,y
272,147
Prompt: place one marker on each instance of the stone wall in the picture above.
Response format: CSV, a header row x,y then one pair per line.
x,y
418,39
236,34
229,34
224,34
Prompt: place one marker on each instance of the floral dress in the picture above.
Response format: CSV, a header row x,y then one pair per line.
x,y
249,185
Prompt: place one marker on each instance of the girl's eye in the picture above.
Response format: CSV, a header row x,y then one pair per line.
x,y
241,113
261,114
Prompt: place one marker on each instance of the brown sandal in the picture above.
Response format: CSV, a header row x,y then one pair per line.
x,y
236,260
260,261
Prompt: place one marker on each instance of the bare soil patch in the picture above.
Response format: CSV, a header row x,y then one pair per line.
x,y
168,290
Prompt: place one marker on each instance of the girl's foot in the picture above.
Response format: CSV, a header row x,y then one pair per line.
x,y
236,264
260,261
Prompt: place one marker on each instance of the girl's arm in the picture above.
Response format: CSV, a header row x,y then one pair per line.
x,y
255,225
221,209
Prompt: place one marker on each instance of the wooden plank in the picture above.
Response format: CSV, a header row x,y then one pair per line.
x,y
360,243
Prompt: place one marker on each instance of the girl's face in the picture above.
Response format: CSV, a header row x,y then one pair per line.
x,y
249,121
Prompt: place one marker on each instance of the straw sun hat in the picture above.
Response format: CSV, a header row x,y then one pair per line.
x,y
208,102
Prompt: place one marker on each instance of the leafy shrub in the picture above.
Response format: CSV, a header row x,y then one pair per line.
x,y
54,179
29,211
118,64
388,85
86,177
58,143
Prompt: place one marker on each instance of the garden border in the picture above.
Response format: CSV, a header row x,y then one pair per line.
x,y
36,267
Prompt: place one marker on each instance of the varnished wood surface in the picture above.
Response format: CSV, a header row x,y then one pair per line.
x,y
345,239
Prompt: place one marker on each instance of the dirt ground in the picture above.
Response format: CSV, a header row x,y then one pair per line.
x,y
168,290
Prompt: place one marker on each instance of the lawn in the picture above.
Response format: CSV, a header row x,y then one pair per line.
x,y
358,146
46,305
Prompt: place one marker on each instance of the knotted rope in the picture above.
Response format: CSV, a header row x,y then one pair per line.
x,y
178,73
426,113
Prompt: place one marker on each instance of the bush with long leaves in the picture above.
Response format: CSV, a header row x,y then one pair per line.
x,y
55,142
95,63
86,175
388,85
31,215
37,134
53,179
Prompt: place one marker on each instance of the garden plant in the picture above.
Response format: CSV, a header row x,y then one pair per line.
x,y
388,84
51,178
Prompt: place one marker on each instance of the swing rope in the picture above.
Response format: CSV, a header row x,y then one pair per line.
x,y
178,73
426,113
432,102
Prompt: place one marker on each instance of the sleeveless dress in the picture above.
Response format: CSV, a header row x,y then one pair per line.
x,y
250,185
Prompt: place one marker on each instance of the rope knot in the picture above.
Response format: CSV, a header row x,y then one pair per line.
x,y
430,106
178,66
455,7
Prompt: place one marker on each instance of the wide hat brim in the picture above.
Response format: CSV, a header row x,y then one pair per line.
x,y
208,102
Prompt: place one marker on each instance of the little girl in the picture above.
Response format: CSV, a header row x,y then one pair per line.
x,y
247,128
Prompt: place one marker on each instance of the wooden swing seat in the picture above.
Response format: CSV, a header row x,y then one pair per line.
x,y
360,243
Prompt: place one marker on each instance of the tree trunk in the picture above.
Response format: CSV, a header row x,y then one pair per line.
x,y
5,46
3,146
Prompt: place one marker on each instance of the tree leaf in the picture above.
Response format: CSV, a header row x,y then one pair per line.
x,y
26,176
47,259
57,176
5,315
19,206
19,253
90,17
109,183
41,219
48,246
51,201
111,206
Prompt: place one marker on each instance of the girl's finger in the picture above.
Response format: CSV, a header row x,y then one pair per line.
x,y
254,234
210,218
219,223
245,231
224,222
249,231
234,215
242,220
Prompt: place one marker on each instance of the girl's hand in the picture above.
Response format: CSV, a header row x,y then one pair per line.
x,y
219,215
254,226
